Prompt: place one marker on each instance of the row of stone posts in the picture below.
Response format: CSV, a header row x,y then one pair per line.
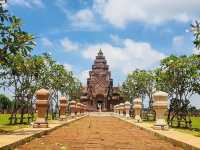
x,y
42,104
160,104
77,109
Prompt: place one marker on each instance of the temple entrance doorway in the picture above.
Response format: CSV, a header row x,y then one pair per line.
x,y
100,103
99,106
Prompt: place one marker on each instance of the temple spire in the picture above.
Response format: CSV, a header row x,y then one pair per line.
x,y
100,53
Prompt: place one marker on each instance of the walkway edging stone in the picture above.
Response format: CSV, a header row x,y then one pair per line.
x,y
185,146
13,145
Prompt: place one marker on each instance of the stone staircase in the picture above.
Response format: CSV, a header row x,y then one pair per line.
x,y
100,114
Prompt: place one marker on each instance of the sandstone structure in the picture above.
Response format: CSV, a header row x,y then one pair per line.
x,y
137,106
100,94
127,107
73,110
160,103
63,107
42,103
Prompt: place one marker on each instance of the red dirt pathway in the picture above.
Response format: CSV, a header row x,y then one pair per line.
x,y
98,133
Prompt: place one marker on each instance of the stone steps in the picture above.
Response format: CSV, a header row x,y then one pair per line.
x,y
101,114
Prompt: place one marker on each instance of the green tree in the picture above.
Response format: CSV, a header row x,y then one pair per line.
x,y
178,76
58,80
139,83
13,39
5,103
25,73
196,31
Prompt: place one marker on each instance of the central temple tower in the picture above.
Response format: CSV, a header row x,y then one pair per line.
x,y
99,91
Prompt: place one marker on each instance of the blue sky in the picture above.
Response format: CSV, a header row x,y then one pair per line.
x,y
131,33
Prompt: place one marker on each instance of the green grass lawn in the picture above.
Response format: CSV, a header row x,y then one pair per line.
x,y
4,123
4,118
196,122
10,128
193,132
195,127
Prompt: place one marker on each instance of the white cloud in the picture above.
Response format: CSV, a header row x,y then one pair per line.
x,y
81,20
68,45
125,58
84,19
121,12
27,3
182,44
196,51
115,39
68,67
195,100
83,75
46,42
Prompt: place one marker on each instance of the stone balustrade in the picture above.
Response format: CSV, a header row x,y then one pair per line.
x,y
160,104
77,109
137,106
42,104
119,109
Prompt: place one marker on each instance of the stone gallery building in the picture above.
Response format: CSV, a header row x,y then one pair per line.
x,y
100,94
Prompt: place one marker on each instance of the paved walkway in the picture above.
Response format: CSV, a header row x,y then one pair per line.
x,y
25,134
99,133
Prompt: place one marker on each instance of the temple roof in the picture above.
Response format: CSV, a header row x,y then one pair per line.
x,y
100,53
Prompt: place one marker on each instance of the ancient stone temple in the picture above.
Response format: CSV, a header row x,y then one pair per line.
x,y
99,94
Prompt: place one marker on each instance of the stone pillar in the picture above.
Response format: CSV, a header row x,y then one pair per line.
x,y
84,110
81,106
72,108
118,110
121,109
127,106
78,108
137,106
160,103
42,104
63,107
114,109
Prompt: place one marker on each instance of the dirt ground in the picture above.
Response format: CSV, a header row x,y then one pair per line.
x,y
98,133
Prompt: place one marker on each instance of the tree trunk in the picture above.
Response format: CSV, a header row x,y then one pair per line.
x,y
22,115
